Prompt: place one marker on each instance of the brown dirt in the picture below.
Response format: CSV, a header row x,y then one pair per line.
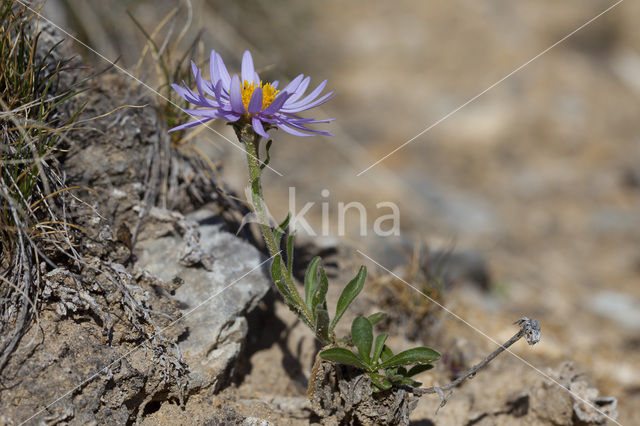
x,y
538,175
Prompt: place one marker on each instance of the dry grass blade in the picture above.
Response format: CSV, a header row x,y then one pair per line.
x,y
32,226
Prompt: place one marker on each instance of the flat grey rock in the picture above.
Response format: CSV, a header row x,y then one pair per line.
x,y
213,303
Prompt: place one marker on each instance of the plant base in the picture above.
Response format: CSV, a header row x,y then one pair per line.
x,y
342,395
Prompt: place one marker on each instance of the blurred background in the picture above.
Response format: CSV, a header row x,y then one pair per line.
x,y
539,177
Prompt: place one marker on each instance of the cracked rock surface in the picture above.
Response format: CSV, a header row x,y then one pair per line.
x,y
212,302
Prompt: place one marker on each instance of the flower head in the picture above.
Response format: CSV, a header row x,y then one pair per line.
x,y
246,96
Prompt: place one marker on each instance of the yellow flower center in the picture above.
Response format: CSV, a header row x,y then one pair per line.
x,y
268,93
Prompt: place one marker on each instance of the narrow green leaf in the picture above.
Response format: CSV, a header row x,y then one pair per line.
x,y
320,295
417,369
281,229
311,282
349,293
289,300
404,381
362,335
276,275
380,382
322,324
343,356
377,349
290,254
376,318
268,159
387,353
420,355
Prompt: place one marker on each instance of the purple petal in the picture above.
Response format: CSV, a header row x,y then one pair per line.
x,y
230,116
213,75
247,67
190,124
205,113
306,129
199,84
194,68
255,104
325,98
306,121
274,84
300,90
291,87
257,127
217,91
235,95
310,97
220,70
292,130
190,96
184,93
269,119
208,88
277,103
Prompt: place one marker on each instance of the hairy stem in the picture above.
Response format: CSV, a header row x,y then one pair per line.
x,y
251,140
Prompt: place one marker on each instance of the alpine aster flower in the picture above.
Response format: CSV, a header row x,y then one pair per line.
x,y
246,96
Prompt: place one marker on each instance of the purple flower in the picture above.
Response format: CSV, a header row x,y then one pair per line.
x,y
245,96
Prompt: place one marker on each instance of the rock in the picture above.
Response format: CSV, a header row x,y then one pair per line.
x,y
618,307
254,421
573,403
213,302
568,399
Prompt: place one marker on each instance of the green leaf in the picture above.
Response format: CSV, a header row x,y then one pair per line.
x,y
278,280
377,349
343,356
349,293
322,324
281,229
404,381
417,369
380,382
362,335
276,275
320,296
386,353
420,355
311,282
290,254
376,318
268,159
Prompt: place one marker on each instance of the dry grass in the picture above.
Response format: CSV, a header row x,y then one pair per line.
x,y
401,298
33,196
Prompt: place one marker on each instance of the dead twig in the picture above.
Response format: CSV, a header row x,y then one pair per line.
x,y
529,329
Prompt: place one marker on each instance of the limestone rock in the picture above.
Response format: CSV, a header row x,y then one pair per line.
x,y
213,302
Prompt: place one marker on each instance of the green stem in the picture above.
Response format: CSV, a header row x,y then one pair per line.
x,y
251,140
